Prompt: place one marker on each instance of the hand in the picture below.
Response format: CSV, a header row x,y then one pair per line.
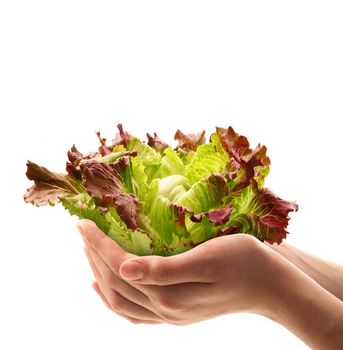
x,y
226,274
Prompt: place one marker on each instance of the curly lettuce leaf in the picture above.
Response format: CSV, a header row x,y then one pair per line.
x,y
189,142
152,199
262,214
205,194
49,187
246,164
206,161
157,144
171,164
83,206
133,241
104,182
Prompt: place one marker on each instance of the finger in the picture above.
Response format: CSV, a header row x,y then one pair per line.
x,y
137,321
115,283
120,304
131,319
96,287
106,247
195,265
138,293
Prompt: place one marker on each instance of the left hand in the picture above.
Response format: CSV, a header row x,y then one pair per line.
x,y
223,275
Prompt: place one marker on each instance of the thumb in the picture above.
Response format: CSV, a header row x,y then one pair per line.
x,y
181,268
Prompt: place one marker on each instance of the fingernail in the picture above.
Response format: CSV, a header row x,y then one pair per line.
x,y
131,270
82,231
80,228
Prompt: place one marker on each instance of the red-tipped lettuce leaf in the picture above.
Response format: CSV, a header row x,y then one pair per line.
x,y
262,213
49,187
216,216
153,199
246,165
156,143
189,142
105,185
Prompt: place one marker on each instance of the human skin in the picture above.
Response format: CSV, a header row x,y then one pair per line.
x,y
227,274
326,273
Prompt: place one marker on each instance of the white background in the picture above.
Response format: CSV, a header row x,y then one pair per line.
x,y
271,69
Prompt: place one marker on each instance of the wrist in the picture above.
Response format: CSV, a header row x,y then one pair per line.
x,y
325,273
305,308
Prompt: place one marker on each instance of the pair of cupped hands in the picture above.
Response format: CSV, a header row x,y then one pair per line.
x,y
227,274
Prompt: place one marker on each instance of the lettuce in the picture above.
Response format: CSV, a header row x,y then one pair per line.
x,y
152,199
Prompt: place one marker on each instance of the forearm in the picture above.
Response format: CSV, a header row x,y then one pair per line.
x,y
329,275
306,309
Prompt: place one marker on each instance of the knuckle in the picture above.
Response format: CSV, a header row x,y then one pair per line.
x,y
108,279
167,302
98,241
252,245
117,302
114,265
158,271
208,269
116,260
249,240
208,265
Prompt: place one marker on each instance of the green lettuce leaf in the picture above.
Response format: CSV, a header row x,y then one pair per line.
x,y
152,199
